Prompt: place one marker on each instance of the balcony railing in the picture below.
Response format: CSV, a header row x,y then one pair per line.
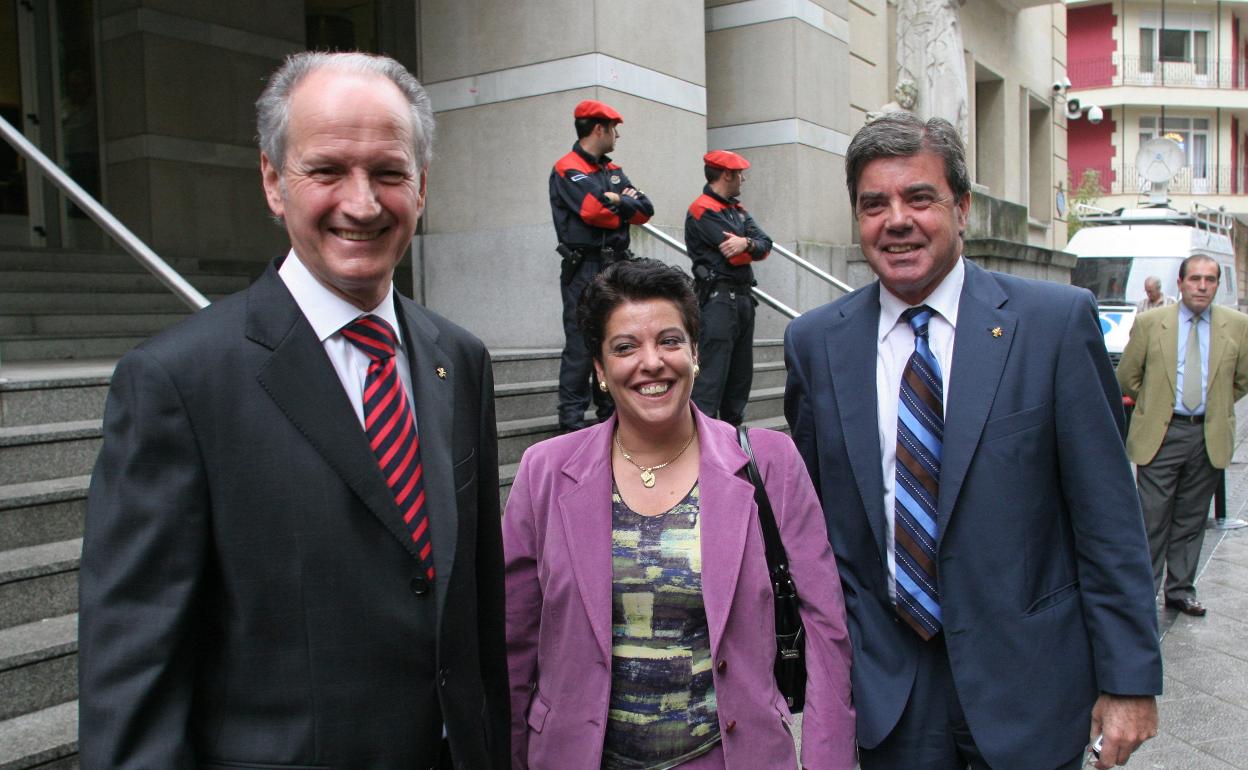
x,y
1123,179
1122,70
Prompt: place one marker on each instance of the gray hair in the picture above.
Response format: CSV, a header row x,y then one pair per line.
x,y
273,106
902,135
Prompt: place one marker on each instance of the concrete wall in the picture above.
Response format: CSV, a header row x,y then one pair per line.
x,y
504,79
179,79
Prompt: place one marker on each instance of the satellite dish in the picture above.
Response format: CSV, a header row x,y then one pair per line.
x,y
1158,161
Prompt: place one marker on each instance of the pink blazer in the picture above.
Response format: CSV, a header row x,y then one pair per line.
x,y
557,545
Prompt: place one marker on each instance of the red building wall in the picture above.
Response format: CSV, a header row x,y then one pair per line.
x,y
1090,45
1091,147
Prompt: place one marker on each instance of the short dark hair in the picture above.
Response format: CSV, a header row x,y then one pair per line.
x,y
634,280
713,173
903,135
1198,258
585,126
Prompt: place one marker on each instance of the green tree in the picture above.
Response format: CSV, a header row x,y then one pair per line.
x,y
1088,191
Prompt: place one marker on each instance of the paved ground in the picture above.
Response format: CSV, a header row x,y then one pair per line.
x,y
1204,711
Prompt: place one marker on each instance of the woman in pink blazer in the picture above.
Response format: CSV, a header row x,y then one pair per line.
x,y
640,626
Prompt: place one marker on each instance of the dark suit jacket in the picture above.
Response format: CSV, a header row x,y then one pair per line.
x,y
1046,589
249,592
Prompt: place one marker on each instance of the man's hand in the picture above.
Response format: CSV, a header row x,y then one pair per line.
x,y
612,197
734,245
1126,721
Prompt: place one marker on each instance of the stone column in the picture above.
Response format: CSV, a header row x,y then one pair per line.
x,y
504,78
778,93
179,80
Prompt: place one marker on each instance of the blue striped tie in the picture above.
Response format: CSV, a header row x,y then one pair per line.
x,y
920,431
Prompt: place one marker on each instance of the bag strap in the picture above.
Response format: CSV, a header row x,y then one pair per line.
x,y
777,559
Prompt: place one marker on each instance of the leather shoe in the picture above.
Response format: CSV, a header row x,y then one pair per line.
x,y
1187,605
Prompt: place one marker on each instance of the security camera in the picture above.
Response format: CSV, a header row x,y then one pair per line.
x,y
1072,108
1057,86
1065,83
1095,114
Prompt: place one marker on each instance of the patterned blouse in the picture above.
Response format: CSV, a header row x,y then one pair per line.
x,y
662,710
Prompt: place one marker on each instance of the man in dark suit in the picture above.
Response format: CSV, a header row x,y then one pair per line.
x,y
963,429
293,553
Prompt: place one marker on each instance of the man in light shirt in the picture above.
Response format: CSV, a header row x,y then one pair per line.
x,y
963,429
1153,298
293,553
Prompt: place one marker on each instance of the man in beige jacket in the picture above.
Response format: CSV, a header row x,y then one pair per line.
x,y
1185,365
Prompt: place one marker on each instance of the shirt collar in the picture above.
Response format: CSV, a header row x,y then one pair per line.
x,y
326,311
1185,313
944,300
728,201
599,161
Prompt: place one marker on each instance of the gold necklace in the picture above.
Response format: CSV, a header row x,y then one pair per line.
x,y
647,474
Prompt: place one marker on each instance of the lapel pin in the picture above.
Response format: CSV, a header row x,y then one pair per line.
x,y
996,331
441,373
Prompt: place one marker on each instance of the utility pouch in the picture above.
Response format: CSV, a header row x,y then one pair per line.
x,y
571,263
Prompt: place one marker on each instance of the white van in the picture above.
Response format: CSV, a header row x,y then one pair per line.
x,y
1118,250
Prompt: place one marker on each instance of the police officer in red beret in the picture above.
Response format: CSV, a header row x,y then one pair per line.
x,y
593,204
723,240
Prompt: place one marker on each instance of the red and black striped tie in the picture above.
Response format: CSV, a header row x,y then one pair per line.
x,y
391,429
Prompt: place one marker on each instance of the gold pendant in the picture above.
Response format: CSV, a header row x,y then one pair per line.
x,y
647,478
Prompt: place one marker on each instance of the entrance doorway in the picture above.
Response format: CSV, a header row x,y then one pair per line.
x,y
48,91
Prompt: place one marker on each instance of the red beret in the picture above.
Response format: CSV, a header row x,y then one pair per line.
x,y
729,161
592,108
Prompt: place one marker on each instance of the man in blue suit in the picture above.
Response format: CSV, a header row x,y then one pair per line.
x,y
964,431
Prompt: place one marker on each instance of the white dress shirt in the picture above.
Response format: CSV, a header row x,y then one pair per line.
x,y
895,345
328,313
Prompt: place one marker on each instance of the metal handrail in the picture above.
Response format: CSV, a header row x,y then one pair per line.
x,y
758,293
104,218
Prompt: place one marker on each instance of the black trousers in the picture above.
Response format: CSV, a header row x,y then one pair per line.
x,y
726,355
577,382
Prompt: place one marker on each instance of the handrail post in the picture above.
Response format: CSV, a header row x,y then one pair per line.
x,y
104,218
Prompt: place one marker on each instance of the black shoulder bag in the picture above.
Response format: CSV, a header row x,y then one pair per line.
x,y
790,665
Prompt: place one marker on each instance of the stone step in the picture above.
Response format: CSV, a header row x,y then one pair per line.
x,y
57,399
38,665
61,261
41,740
515,366
38,582
33,347
48,451
769,374
41,303
45,281
525,399
42,511
88,324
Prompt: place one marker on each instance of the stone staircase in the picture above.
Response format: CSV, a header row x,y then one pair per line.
x,y
64,321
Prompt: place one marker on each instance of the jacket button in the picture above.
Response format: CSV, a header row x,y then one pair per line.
x,y
442,675
722,667
419,585
732,724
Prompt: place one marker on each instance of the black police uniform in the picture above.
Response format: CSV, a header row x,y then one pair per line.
x,y
726,345
592,232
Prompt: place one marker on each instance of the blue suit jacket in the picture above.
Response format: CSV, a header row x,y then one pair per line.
x,y
1045,584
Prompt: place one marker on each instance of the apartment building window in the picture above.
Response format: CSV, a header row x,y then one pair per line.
x,y
1185,40
1192,134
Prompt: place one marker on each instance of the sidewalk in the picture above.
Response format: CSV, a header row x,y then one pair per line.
x,y
1204,711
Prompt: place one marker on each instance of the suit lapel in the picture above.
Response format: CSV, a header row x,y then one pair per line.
x,y
1167,343
302,382
435,408
727,509
979,356
852,342
1217,345
585,511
